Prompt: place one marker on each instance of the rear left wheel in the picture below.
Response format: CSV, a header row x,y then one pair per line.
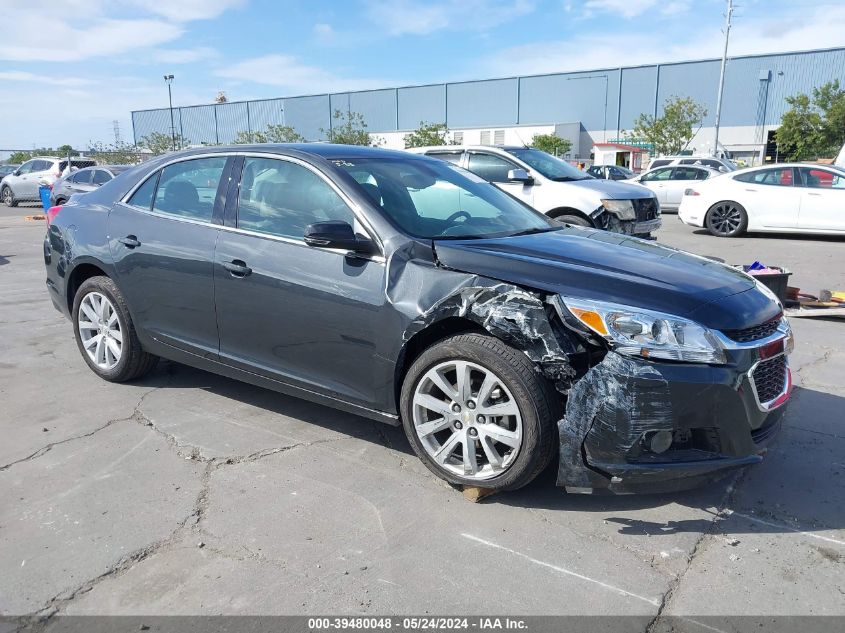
x,y
726,219
477,413
105,333
9,197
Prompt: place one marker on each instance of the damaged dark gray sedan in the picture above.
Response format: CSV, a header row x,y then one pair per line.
x,y
404,289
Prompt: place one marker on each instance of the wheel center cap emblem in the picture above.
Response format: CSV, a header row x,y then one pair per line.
x,y
467,417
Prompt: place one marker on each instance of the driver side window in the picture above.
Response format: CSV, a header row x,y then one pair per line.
x,y
659,174
489,167
26,168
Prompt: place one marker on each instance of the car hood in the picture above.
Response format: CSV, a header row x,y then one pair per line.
x,y
609,267
613,189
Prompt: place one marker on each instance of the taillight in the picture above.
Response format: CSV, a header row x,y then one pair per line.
x,y
691,192
52,212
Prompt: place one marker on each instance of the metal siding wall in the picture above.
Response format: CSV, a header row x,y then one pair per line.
x,y
340,102
639,86
198,125
231,119
801,73
378,108
482,103
307,115
698,80
145,122
422,103
570,97
263,114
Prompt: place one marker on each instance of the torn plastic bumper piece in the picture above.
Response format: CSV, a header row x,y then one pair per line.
x,y
634,426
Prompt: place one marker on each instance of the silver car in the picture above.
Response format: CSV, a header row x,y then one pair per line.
x,y
669,183
22,184
83,181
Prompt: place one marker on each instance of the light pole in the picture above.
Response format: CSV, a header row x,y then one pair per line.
x,y
168,79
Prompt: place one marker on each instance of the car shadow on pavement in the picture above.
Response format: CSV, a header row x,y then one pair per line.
x,y
794,490
4,259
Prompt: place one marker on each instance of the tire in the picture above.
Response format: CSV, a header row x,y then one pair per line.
x,y
575,220
132,361
9,197
726,219
59,202
515,385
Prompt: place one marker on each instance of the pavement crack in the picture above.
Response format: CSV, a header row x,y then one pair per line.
x,y
722,512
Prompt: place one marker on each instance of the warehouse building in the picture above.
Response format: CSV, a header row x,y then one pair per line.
x,y
595,106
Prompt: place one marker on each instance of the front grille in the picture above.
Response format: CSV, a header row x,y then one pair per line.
x,y
754,333
770,378
646,209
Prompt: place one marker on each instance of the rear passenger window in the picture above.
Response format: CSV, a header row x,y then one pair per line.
x,y
100,177
281,198
187,189
143,196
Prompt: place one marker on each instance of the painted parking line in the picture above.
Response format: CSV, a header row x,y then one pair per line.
x,y
783,526
562,570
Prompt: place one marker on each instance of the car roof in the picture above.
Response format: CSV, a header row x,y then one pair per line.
x,y
323,150
460,148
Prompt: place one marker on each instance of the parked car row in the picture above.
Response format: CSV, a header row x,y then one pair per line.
x,y
553,186
783,198
22,184
403,289
83,181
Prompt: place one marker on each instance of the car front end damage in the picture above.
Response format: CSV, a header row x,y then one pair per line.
x,y
639,217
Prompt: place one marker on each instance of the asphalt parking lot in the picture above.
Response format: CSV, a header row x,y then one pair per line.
x,y
188,493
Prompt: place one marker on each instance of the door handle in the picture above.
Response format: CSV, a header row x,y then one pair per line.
x,y
751,190
130,241
237,268
810,193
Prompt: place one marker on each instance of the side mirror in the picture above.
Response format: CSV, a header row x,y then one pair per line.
x,y
17,172
336,234
520,175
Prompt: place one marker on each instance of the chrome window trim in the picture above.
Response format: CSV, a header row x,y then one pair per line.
x,y
354,207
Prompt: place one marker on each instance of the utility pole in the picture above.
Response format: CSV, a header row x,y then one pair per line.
x,y
168,79
728,16
116,125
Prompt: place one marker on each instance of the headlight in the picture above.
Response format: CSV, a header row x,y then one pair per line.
x,y
622,209
646,334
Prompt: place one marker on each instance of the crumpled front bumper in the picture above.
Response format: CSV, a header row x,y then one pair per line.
x,y
713,413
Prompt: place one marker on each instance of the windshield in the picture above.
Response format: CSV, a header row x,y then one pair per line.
x,y
433,199
550,166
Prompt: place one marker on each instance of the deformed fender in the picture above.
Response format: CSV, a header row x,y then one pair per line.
x,y
614,403
520,317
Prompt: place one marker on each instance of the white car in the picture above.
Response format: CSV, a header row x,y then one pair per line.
x,y
720,164
784,198
22,184
840,160
556,188
669,183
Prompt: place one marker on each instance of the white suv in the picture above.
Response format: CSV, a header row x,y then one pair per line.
x,y
556,188
22,184
722,164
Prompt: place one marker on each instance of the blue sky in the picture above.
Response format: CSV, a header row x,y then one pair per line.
x,y
69,68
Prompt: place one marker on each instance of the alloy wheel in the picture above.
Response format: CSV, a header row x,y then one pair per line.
x,y
7,196
725,218
100,331
467,420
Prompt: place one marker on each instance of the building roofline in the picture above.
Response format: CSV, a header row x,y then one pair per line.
x,y
446,84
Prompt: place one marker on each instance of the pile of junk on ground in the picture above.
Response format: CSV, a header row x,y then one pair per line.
x,y
797,303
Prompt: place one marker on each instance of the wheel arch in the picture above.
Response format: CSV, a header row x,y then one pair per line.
x,y
559,211
430,335
80,273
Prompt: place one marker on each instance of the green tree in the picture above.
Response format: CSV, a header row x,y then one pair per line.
x,y
551,144
114,154
272,134
159,143
671,132
813,127
20,157
428,134
349,128
64,150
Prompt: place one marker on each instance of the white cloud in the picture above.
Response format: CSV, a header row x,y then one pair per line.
x,y
324,33
31,78
184,55
800,30
187,10
634,8
418,17
292,75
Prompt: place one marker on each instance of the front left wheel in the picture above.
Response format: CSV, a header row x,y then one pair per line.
x,y
9,197
477,413
105,333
